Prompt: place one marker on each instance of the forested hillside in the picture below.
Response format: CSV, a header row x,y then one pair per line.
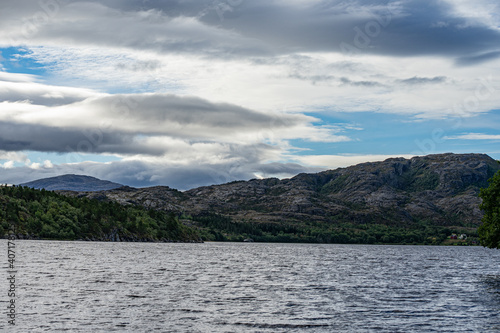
x,y
31,213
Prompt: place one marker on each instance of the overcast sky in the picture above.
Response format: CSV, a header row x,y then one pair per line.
x,y
191,93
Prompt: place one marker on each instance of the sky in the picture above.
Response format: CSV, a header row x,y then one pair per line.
x,y
188,93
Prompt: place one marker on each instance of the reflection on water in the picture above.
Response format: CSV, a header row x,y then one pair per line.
x,y
252,287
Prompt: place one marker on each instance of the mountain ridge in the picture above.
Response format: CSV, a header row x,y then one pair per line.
x,y
441,189
72,182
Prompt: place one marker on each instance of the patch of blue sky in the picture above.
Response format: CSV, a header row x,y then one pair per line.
x,y
18,60
24,61
390,134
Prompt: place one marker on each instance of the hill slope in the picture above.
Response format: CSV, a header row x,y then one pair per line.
x,y
72,183
436,190
30,213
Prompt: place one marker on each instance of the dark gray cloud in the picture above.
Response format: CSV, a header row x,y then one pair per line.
x,y
33,137
477,59
172,109
185,117
349,82
382,27
423,80
228,29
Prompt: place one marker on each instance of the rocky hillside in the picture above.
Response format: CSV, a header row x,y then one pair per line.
x,y
72,183
437,189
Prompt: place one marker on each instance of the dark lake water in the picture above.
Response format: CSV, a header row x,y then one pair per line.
x,y
252,287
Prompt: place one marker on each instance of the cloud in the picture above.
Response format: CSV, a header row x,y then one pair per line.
x,y
93,24
487,12
252,28
34,137
399,28
12,156
478,58
474,136
347,81
7,165
289,83
16,87
138,123
15,157
423,80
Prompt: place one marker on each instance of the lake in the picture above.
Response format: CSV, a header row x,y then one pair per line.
x,y
252,287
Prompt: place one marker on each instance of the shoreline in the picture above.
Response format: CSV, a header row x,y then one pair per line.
x,y
242,242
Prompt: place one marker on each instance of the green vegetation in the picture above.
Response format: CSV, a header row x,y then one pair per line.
x,y
48,215
335,185
216,227
489,231
420,179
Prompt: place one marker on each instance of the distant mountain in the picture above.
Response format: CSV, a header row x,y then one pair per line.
x,y
72,183
439,189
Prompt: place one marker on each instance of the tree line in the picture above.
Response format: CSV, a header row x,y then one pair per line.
x,y
217,227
